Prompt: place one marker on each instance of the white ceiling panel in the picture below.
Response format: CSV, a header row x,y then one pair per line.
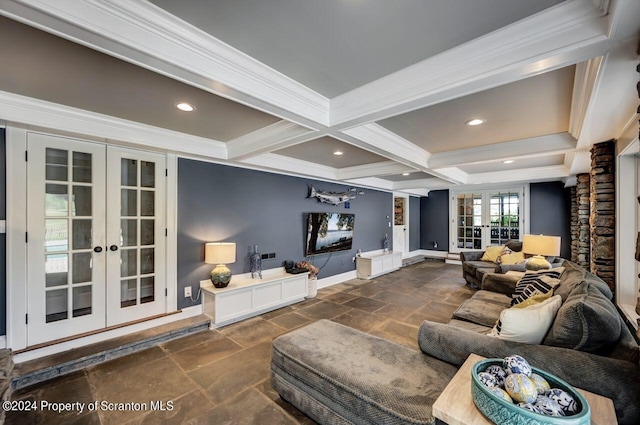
x,y
412,176
541,161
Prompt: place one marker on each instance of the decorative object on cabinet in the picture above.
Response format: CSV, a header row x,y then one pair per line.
x,y
221,254
385,243
540,246
256,263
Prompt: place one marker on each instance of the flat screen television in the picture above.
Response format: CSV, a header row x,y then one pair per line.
x,y
329,232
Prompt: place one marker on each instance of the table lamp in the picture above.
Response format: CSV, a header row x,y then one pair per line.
x,y
221,254
539,246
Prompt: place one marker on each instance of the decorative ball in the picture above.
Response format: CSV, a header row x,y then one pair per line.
x,y
498,373
564,399
531,407
501,393
488,379
548,406
541,384
516,364
520,388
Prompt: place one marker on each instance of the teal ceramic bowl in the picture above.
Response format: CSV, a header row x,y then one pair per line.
x,y
502,412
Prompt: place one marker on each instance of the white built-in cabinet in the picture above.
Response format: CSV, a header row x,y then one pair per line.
x,y
246,297
369,266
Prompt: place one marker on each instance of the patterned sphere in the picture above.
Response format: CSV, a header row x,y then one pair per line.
x,y
541,384
520,388
497,373
488,379
516,364
531,407
548,406
564,399
501,393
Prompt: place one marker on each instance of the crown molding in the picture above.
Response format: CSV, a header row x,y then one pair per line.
x,y
534,146
451,174
276,136
384,168
559,36
584,84
372,182
146,35
377,139
286,165
418,184
39,113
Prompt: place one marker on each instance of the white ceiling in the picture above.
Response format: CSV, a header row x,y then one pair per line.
x,y
279,85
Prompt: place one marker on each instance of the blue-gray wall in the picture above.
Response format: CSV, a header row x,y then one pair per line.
x,y
550,213
3,239
414,223
223,203
434,220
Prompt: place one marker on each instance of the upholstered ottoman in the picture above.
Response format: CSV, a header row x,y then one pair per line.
x,y
339,375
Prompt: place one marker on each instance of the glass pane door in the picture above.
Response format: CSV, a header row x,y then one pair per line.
x,y
136,235
65,237
469,221
504,216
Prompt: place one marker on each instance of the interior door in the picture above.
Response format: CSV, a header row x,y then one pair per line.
x,y
135,235
399,224
96,236
66,237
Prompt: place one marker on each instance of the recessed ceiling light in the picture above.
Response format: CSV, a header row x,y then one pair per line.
x,y
405,174
338,153
475,121
185,107
508,161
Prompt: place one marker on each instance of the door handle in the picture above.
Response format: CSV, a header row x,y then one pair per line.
x,y
97,249
113,248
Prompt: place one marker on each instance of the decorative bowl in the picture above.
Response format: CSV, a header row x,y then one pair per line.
x,y
500,411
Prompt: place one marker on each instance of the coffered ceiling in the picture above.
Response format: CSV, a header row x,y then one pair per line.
x,y
282,85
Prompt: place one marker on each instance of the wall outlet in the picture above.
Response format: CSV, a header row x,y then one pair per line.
x,y
187,291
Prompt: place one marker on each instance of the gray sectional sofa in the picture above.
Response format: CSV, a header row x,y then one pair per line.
x,y
338,375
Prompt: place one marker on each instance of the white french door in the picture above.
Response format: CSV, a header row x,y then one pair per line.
x,y
95,236
486,217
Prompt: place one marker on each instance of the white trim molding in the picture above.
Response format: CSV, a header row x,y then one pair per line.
x,y
279,135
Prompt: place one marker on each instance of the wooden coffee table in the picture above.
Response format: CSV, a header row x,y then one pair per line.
x,y
455,405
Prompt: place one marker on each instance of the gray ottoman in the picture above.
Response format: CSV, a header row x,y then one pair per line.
x,y
339,375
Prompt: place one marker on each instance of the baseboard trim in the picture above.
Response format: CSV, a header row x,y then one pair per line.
x,y
92,339
336,279
433,254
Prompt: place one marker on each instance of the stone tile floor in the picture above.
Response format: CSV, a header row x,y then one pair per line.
x,y
222,376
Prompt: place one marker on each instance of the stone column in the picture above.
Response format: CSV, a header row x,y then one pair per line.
x,y
603,212
583,231
574,223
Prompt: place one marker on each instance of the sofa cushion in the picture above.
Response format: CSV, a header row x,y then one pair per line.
x,y
529,324
483,308
536,283
587,321
492,253
573,276
331,371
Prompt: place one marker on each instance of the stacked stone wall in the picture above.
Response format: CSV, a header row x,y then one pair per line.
x,y
603,209
574,223
583,237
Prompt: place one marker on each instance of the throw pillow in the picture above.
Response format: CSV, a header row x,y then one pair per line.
x,y
506,251
511,258
492,253
527,325
536,283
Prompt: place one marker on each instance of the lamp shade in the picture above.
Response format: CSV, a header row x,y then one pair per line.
x,y
541,245
220,253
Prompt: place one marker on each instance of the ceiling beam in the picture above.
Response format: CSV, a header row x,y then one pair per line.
x,y
296,167
524,174
278,135
534,146
584,84
384,168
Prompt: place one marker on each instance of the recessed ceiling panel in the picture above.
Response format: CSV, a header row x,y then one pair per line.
x,y
46,67
321,151
334,46
540,161
532,107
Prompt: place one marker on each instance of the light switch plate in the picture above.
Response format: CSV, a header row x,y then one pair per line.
x,y
3,226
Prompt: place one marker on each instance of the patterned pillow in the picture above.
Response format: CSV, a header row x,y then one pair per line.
x,y
492,253
536,283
